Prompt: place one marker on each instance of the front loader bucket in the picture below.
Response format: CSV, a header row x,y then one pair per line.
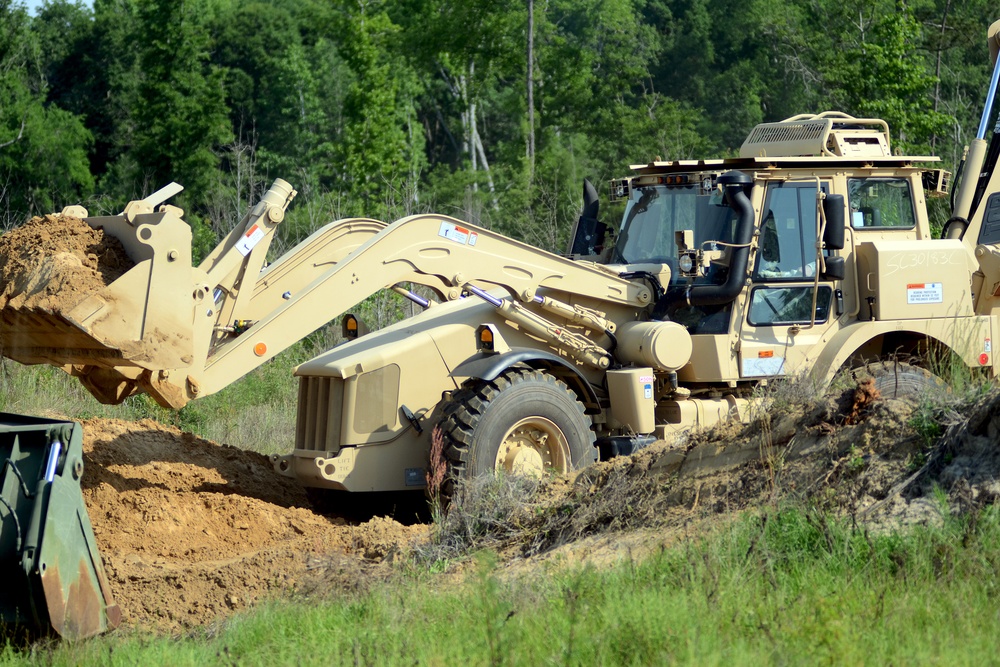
x,y
142,320
54,579
123,308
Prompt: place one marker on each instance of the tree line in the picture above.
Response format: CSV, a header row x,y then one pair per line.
x,y
490,110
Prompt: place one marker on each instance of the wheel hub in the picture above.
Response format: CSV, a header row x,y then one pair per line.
x,y
532,446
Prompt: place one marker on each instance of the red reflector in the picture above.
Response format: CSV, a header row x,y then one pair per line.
x,y
984,359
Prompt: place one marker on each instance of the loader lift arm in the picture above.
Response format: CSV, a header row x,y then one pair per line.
x,y
422,249
231,314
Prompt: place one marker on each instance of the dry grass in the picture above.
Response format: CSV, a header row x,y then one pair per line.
x,y
437,474
485,512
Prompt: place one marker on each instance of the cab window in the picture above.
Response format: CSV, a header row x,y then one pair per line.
x,y
881,203
788,305
788,234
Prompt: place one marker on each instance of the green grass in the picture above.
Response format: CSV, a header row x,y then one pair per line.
x,y
256,412
780,587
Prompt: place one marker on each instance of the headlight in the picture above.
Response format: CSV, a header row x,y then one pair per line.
x,y
685,263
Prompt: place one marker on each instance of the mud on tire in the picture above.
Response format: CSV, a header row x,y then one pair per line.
x,y
524,420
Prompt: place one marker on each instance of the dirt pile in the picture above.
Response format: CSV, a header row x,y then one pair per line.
x,y
54,262
191,531
857,455
966,460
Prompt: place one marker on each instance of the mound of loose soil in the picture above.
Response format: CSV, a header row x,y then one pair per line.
x,y
858,455
54,262
191,530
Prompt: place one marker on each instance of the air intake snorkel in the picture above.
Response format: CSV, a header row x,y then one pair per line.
x,y
735,185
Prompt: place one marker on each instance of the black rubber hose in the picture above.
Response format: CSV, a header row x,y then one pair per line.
x,y
955,182
717,295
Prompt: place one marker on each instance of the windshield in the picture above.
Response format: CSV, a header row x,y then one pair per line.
x,y
655,212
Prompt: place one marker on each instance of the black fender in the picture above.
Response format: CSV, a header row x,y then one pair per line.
x,y
488,366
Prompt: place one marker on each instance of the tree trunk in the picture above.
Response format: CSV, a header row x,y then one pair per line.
x,y
473,132
937,68
531,92
478,142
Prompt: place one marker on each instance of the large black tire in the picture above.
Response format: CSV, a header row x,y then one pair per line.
x,y
523,422
895,379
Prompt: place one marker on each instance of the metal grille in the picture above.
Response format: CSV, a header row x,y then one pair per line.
x,y
806,137
321,401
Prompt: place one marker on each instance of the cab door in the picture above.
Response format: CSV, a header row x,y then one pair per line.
x,y
778,330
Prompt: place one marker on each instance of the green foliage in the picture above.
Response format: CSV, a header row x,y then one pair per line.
x,y
180,115
384,108
377,148
43,149
787,586
881,77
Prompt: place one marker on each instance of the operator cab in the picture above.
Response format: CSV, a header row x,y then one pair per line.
x,y
681,221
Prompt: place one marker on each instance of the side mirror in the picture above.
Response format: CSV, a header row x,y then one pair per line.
x,y
834,235
836,269
589,232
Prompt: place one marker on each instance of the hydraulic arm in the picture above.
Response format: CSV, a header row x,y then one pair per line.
x,y
179,332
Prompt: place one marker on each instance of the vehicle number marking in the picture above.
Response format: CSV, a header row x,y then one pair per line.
x,y
928,259
917,293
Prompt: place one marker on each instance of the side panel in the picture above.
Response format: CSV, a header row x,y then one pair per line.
x,y
909,280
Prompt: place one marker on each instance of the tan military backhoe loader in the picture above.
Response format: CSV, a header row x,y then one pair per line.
x,y
810,252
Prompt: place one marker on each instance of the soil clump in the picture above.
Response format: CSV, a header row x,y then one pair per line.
x,y
54,262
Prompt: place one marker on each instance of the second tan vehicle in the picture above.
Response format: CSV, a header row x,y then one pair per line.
x,y
810,252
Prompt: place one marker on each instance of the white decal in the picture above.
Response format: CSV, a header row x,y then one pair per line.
x,y
453,232
987,345
917,293
473,238
763,366
250,239
647,391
